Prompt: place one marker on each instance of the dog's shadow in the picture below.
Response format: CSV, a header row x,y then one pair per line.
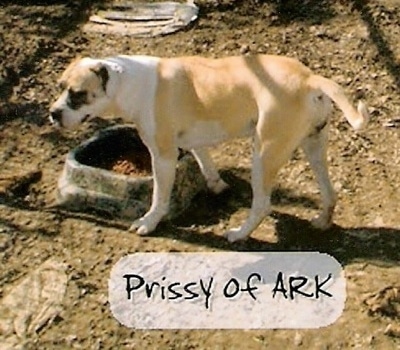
x,y
209,209
292,233
346,244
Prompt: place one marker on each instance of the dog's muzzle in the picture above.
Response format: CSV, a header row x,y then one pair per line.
x,y
56,117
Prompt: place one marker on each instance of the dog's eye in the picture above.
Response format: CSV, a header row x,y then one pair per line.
x,y
77,98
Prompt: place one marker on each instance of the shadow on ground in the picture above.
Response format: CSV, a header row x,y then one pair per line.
x,y
284,11
386,54
346,244
372,244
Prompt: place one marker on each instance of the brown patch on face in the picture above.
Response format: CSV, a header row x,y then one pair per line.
x,y
76,99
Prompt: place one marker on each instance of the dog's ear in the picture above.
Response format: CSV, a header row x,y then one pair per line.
x,y
101,71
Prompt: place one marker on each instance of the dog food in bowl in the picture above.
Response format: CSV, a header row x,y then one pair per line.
x,y
133,162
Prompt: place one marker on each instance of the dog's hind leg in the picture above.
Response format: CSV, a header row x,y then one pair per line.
x,y
267,160
315,148
209,171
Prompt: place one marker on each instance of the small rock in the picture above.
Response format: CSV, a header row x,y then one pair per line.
x,y
244,49
70,339
392,330
370,340
298,339
392,123
102,299
378,222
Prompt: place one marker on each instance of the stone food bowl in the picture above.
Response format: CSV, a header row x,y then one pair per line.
x,y
111,173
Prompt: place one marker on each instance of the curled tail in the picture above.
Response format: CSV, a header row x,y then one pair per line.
x,y
357,118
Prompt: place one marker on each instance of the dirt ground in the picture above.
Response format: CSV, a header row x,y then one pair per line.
x,y
355,42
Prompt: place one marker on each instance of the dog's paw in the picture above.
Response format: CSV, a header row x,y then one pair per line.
x,y
234,235
141,227
321,223
140,230
218,186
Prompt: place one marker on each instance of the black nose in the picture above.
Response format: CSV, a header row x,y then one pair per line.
x,y
56,115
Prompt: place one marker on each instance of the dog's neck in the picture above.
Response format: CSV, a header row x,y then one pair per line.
x,y
132,86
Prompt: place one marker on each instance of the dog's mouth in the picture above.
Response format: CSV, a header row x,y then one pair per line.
x,y
54,122
58,124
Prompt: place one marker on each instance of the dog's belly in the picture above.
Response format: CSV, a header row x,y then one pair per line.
x,y
209,133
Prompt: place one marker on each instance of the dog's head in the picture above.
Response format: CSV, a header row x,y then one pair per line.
x,y
85,92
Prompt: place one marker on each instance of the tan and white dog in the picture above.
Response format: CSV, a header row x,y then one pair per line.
x,y
194,103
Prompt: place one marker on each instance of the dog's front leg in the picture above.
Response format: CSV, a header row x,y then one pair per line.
x,y
164,167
